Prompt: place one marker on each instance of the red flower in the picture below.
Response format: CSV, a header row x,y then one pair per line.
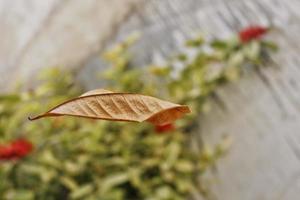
x,y
6,152
15,150
164,128
252,32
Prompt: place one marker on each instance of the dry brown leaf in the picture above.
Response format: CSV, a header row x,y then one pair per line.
x,y
107,105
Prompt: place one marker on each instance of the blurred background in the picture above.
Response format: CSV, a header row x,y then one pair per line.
x,y
261,113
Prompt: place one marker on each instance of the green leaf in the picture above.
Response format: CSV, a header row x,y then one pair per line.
x,y
184,166
82,191
270,45
164,192
12,98
69,183
236,59
182,57
113,180
219,44
173,151
252,50
20,195
159,71
197,42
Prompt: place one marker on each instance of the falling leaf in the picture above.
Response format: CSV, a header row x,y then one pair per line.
x,y
107,105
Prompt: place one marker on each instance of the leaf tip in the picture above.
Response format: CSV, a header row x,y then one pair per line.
x,y
187,109
30,118
33,118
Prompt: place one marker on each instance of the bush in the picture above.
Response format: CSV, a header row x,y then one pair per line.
x,y
88,159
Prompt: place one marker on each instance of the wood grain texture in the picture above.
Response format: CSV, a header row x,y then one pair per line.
x,y
20,22
64,33
261,112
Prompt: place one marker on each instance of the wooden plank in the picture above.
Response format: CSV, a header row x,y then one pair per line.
x,y
76,30
20,21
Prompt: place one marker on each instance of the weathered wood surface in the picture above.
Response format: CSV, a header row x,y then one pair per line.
x,y
37,34
261,112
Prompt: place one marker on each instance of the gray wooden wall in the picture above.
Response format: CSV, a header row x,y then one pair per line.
x,y
261,112
46,33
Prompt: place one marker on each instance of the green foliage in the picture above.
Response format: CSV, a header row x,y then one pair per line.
x,y
88,159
